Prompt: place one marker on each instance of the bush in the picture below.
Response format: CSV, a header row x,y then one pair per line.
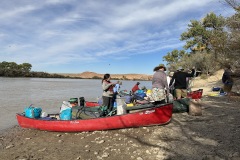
x,y
96,77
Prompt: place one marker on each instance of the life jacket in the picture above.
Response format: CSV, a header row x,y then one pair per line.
x,y
135,88
110,87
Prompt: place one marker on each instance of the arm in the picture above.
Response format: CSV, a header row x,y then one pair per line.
x,y
165,82
105,85
138,88
172,80
191,74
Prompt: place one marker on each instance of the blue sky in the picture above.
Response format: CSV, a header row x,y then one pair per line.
x,y
103,36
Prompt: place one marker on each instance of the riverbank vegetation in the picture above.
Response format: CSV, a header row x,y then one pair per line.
x,y
211,43
12,69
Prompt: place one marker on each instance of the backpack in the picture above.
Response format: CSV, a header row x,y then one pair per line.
x,y
181,105
82,101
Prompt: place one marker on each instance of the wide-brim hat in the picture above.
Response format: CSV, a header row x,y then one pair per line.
x,y
162,66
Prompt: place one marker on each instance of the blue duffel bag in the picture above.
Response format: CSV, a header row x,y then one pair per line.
x,y
139,96
33,112
216,89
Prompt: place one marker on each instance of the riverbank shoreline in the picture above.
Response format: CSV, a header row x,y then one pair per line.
x,y
214,135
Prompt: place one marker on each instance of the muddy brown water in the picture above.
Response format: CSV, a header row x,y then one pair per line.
x,y
47,93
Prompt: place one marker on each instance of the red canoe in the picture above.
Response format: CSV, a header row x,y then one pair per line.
x,y
196,94
157,115
91,104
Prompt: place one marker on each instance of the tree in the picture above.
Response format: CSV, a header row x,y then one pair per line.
x,y
174,56
233,42
196,35
199,34
12,69
213,41
235,4
25,68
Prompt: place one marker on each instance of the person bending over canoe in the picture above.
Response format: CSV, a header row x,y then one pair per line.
x,y
107,95
135,87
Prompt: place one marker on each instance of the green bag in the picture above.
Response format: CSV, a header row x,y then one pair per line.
x,y
104,112
181,105
81,112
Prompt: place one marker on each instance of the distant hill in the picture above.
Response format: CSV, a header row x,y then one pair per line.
x,y
91,75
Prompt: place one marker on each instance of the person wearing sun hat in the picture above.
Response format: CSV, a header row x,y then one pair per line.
x,y
162,66
159,84
180,82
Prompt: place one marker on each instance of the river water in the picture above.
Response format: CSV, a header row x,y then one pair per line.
x,y
47,93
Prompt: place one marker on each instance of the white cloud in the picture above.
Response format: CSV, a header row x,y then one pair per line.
x,y
63,31
16,12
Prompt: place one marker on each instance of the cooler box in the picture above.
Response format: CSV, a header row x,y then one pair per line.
x,y
33,112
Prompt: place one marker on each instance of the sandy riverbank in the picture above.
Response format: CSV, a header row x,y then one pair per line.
x,y
214,135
